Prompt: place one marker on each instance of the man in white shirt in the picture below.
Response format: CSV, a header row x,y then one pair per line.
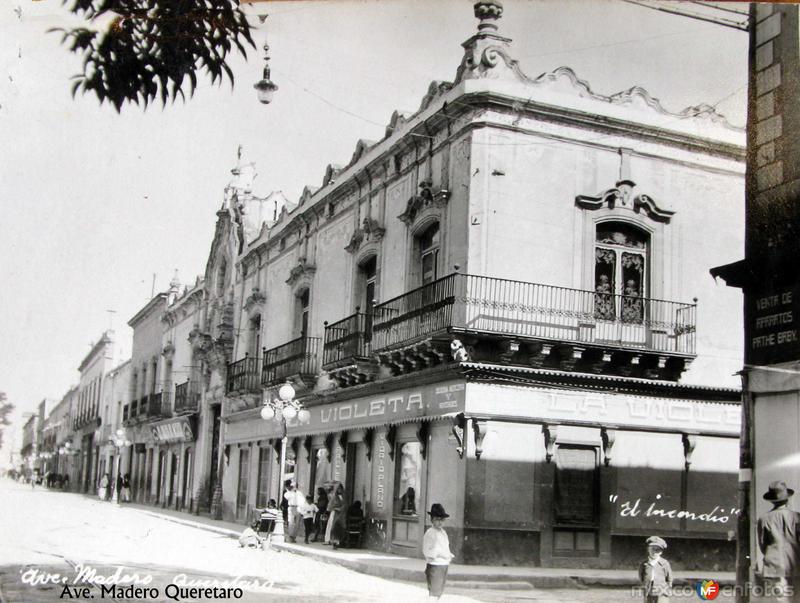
x,y
295,499
436,548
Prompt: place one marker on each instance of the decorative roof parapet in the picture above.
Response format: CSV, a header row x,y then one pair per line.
x,y
487,53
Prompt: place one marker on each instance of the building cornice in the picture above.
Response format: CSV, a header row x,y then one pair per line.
x,y
148,308
95,351
520,375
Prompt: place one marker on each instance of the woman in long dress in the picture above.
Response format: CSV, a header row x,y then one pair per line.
x,y
336,507
102,492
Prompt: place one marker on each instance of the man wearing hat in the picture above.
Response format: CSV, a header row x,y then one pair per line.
x,y
655,572
436,548
778,531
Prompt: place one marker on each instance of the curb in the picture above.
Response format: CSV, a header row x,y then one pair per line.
x,y
499,581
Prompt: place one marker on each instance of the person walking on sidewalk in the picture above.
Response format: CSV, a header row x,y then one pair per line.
x,y
321,520
655,572
126,488
335,526
436,549
294,501
102,492
779,542
308,511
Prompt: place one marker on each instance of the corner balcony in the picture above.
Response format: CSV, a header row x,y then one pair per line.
x,y
297,359
187,398
244,376
530,324
346,352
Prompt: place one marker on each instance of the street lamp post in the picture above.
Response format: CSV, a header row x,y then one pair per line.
x,y
283,408
265,87
120,442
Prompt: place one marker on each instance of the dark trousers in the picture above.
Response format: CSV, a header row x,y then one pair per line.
x,y
308,524
319,526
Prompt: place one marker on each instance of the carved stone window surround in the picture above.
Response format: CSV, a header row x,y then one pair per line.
x,y
623,205
303,270
424,205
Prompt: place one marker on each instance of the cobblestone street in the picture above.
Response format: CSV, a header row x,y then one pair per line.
x,y
54,539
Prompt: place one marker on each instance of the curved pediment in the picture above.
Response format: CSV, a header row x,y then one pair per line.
x,y
427,201
623,196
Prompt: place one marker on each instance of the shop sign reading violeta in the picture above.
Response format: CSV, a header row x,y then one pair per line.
x,y
431,400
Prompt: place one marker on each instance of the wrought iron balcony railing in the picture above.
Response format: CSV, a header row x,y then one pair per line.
x,y
478,304
187,397
133,410
244,376
156,407
143,407
347,340
298,357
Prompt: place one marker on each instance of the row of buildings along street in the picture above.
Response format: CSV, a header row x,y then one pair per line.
x,y
503,306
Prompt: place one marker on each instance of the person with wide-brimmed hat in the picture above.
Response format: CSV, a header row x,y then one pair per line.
x,y
436,548
778,531
655,572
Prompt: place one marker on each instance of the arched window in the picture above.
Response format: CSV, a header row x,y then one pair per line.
x,y
365,295
255,336
428,254
153,375
620,271
302,310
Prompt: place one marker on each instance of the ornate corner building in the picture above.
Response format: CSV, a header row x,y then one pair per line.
x,y
504,306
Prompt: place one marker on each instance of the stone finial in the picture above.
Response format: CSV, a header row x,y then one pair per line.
x,y
175,283
488,11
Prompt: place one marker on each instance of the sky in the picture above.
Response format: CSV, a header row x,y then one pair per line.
x,y
99,207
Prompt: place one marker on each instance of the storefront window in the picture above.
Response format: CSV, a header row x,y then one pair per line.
x,y
576,485
407,480
320,470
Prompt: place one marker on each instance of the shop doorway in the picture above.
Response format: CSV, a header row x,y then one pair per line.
x,y
188,468
173,479
576,498
215,422
351,495
241,493
161,475
407,527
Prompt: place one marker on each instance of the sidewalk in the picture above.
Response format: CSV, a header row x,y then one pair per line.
x,y
396,567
